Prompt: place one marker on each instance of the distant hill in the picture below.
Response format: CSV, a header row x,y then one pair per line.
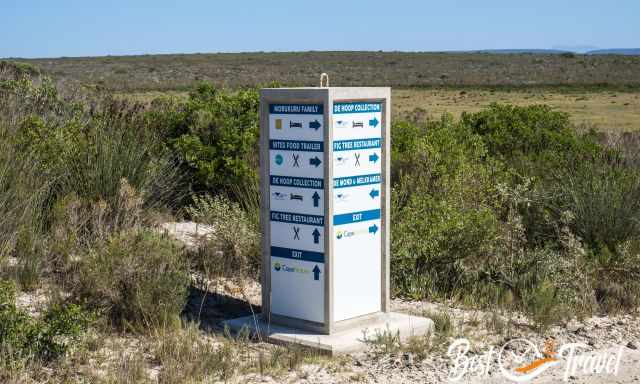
x,y
612,51
616,51
523,51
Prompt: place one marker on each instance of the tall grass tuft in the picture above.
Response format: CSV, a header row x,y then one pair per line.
x,y
232,249
138,278
604,197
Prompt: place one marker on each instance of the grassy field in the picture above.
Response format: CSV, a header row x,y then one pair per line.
x,y
609,111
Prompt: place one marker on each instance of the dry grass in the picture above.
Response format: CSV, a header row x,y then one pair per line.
x,y
604,110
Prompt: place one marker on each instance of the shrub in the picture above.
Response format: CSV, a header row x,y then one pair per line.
x,y
16,70
568,55
87,149
118,146
7,293
406,138
617,278
217,137
233,247
475,219
442,322
441,210
139,278
532,136
22,191
30,251
604,197
45,339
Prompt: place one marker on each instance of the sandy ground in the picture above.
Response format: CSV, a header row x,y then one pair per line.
x,y
614,340
628,371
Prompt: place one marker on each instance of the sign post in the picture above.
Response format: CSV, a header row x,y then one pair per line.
x,y
325,206
325,200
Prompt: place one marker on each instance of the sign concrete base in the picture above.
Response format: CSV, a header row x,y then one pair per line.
x,y
346,341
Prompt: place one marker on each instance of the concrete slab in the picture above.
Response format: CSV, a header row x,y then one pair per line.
x,y
345,341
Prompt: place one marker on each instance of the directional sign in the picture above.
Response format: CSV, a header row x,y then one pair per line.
x,y
316,236
316,198
324,187
315,161
296,144
357,206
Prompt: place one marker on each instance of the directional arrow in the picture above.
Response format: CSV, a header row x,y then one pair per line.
x,y
315,125
316,236
316,198
315,161
373,229
374,122
374,193
374,158
316,273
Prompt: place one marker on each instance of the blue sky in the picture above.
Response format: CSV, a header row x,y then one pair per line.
x,y
54,28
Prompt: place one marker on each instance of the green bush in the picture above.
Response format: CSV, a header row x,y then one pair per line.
x,y
539,144
46,338
442,209
216,135
73,171
510,206
406,139
138,278
532,136
87,149
471,221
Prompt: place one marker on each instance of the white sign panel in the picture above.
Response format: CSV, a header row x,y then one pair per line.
x,y
296,192
357,250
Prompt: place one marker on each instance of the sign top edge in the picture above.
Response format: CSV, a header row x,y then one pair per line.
x,y
322,88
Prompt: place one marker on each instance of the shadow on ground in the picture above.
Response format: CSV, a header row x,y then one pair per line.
x,y
210,309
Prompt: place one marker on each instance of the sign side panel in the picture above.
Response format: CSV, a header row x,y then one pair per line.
x,y
356,216
296,215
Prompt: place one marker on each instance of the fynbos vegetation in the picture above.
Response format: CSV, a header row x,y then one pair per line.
x,y
507,208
